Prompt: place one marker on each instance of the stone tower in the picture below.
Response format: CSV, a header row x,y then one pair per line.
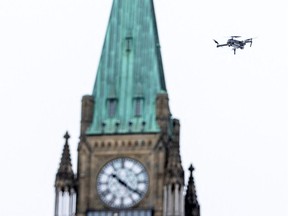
x,y
129,159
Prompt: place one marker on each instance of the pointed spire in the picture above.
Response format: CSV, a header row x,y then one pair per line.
x,y
65,176
174,171
192,207
130,55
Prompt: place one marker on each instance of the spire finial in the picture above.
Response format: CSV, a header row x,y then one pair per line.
x,y
191,168
66,136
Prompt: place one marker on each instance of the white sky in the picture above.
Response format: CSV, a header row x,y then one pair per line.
x,y
233,108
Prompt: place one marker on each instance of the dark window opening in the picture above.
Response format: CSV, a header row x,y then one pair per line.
x,y
138,106
112,106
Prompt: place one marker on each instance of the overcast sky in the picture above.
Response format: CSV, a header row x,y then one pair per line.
x,y
233,109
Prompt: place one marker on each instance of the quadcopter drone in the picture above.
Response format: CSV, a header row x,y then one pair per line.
x,y
236,44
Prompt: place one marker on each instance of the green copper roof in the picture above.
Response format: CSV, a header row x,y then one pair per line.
x,y
130,72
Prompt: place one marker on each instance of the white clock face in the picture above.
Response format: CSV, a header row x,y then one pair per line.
x,y
122,183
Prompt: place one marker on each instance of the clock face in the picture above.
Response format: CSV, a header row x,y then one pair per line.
x,y
122,183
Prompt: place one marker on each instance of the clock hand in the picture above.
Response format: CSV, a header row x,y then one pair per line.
x,y
126,185
119,180
135,191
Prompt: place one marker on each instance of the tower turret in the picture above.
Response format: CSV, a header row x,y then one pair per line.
x,y
174,175
65,193
192,207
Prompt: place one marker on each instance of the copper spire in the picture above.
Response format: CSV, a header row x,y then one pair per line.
x,y
131,54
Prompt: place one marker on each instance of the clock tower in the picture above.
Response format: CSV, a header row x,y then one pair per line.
x,y
129,161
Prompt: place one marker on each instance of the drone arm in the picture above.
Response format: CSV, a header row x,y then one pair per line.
x,y
221,45
248,41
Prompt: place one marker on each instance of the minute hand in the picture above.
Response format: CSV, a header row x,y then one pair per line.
x,y
126,185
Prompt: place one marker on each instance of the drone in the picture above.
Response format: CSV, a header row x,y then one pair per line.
x,y
236,44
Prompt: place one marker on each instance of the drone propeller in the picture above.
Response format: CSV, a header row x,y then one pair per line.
x,y
235,36
216,42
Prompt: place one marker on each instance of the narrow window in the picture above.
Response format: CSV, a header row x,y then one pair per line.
x,y
112,105
128,43
138,107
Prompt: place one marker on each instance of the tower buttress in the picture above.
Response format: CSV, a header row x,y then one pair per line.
x,y
163,114
65,192
174,177
87,111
